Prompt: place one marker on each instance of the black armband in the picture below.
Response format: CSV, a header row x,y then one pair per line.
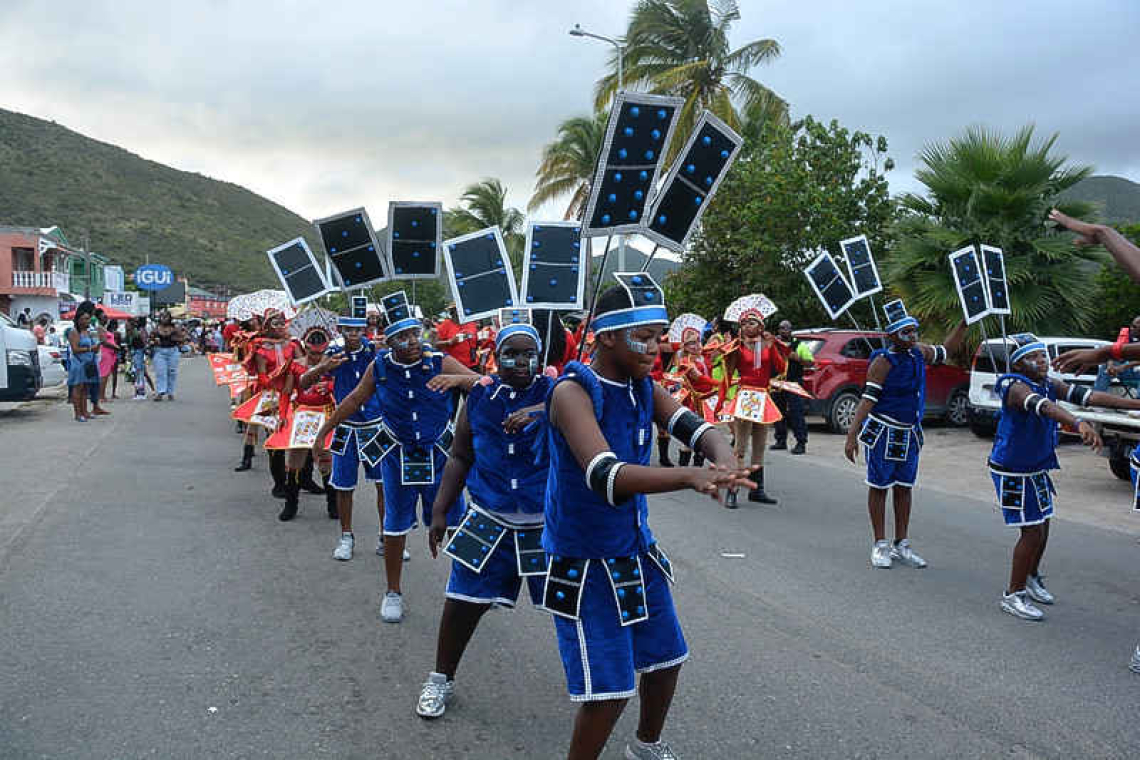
x,y
939,355
1079,395
687,427
1033,403
872,392
601,474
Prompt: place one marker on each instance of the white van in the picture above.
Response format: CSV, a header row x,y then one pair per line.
x,y
1120,430
20,377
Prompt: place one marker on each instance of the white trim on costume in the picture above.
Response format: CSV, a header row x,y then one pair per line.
x,y
491,602
891,485
662,665
401,532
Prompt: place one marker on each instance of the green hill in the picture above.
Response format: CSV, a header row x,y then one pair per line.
x,y
215,233
1117,199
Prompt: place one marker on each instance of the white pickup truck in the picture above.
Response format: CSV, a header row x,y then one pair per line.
x,y
1120,430
20,377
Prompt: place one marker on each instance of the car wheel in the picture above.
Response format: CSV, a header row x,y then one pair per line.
x,y
980,425
1118,462
842,412
958,408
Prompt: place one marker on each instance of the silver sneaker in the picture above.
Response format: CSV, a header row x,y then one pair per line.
x,y
639,750
1035,587
343,550
881,554
1017,605
1134,666
904,554
434,696
380,549
392,608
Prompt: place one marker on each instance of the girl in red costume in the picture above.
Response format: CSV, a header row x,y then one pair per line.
x,y
691,369
756,356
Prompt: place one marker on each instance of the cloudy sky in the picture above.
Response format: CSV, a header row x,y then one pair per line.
x,y
329,105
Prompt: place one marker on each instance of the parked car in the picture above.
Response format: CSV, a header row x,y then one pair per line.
x,y
1119,430
840,371
20,378
51,366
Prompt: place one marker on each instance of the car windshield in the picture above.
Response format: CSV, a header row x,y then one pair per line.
x,y
6,320
988,353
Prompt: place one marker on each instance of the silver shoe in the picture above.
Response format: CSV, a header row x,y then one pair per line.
x,y
1134,666
637,750
434,696
881,554
1035,587
343,550
392,607
904,554
1017,605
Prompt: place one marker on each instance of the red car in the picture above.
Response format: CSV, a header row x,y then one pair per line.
x,y
836,380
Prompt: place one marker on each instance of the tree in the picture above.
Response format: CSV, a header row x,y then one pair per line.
x,y
681,48
799,189
484,204
1117,300
568,164
983,187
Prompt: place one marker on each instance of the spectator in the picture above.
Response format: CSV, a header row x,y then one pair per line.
x,y
457,340
109,360
83,369
137,340
53,338
1125,372
167,339
24,318
39,329
789,404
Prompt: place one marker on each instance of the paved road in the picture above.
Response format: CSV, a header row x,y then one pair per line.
x,y
152,606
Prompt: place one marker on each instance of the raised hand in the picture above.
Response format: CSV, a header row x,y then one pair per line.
x,y
1086,232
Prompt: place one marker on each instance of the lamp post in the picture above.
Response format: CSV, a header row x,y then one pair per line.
x,y
578,31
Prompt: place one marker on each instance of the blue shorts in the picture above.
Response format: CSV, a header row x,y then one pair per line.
x,y
400,500
346,466
602,657
1032,493
884,472
499,581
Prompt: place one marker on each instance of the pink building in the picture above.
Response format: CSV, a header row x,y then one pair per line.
x,y
34,270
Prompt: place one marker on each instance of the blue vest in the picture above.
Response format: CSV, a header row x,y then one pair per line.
x,y
346,376
413,414
579,522
1024,442
904,391
506,478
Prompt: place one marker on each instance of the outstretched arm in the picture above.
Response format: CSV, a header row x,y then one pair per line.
x,y
1084,396
1021,396
711,442
349,406
950,345
1122,249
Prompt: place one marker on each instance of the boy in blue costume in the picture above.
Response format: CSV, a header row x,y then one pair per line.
x,y
888,423
347,366
608,581
409,381
1025,450
498,546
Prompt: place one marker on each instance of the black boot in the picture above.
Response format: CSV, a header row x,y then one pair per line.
x,y
292,500
757,494
683,458
663,452
246,459
800,448
330,498
779,446
698,459
306,476
277,470
730,499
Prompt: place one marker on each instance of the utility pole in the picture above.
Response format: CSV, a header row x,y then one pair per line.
x,y
86,268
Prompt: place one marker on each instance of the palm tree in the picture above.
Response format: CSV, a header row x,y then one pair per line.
x,y
568,164
681,48
484,204
983,187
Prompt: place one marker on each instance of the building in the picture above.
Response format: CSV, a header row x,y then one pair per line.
x,y
87,279
36,270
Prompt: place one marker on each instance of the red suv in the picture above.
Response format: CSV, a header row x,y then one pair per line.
x,y
836,380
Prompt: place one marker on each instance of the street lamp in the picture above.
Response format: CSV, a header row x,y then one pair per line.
x,y
578,31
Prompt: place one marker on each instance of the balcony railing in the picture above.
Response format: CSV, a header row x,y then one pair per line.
x,y
60,282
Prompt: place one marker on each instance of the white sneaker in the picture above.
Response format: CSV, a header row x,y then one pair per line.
x,y
434,696
1017,605
343,550
904,554
407,555
881,554
1035,587
392,608
1134,665
639,750
380,549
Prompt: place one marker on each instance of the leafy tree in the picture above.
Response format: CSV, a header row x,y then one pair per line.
x,y
568,164
983,187
484,204
798,190
681,48
1117,300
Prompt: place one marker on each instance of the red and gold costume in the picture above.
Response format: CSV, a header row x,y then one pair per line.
x,y
693,374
